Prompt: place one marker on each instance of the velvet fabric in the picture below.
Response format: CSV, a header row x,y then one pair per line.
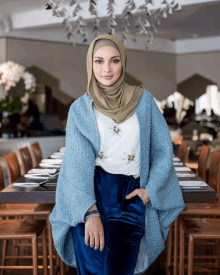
x,y
123,222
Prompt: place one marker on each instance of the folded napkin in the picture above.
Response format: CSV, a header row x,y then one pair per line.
x,y
57,161
26,184
182,168
42,171
49,165
192,183
185,175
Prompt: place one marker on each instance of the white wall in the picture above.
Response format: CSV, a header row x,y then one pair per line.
x,y
2,50
205,64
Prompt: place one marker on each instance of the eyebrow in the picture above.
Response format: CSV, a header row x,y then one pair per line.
x,y
102,57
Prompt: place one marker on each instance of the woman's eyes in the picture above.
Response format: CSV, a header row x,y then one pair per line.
x,y
98,61
116,61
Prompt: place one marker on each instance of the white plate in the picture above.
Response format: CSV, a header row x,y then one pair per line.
x,y
179,175
176,159
182,169
178,164
37,176
62,149
59,153
26,184
42,171
56,161
52,165
192,183
56,156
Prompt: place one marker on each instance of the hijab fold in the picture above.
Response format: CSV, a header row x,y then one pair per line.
x,y
119,100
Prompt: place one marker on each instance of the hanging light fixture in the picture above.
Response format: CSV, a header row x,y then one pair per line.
x,y
145,24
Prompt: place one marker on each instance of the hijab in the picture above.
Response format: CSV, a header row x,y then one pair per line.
x,y
119,100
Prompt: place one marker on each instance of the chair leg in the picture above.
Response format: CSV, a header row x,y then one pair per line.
x,y
50,243
44,243
182,251
34,255
61,267
4,253
190,255
169,246
176,229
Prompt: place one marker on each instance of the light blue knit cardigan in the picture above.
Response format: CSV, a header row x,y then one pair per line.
x,y
75,187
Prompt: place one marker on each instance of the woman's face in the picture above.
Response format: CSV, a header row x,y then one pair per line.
x,y
107,65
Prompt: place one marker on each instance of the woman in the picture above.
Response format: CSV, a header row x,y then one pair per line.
x,y
117,191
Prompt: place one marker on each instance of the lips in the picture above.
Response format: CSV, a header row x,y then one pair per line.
x,y
108,76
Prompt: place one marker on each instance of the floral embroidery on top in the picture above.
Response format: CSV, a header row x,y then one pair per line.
x,y
101,153
115,129
130,157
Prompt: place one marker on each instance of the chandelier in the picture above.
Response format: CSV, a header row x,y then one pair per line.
x,y
147,17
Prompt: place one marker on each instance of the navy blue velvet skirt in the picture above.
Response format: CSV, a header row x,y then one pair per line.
x,y
124,224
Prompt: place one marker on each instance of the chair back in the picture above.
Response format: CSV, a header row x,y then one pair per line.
x,y
214,173
13,167
202,162
2,182
26,159
37,154
182,151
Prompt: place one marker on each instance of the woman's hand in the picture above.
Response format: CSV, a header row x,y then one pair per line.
x,y
94,231
142,193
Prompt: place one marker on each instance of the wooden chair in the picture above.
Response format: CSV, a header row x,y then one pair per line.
x,y
26,159
202,228
201,165
193,210
37,154
182,151
19,229
13,167
33,210
2,182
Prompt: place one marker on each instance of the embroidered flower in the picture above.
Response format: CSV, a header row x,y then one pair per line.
x,y
101,153
115,129
130,157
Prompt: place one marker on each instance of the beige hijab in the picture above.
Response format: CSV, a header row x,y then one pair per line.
x,y
119,100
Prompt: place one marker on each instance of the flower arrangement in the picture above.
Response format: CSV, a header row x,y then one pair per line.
x,y
11,73
16,85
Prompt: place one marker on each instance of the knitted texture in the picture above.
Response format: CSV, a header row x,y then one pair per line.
x,y
75,186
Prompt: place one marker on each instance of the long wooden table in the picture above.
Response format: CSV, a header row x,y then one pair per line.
x,y
46,194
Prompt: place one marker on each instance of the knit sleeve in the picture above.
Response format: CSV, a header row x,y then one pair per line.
x,y
75,188
162,186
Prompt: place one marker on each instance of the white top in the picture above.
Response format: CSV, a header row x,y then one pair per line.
x,y
119,145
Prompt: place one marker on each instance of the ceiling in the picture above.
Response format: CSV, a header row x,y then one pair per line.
x,y
192,21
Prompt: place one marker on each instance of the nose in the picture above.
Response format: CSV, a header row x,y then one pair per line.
x,y
107,67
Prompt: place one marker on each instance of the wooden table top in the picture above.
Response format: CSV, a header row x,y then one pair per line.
x,y
46,194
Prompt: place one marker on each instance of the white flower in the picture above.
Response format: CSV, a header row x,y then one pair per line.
x,y
11,73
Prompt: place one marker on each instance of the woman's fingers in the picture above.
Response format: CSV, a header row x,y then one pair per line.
x,y
132,194
92,241
86,237
94,233
102,241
